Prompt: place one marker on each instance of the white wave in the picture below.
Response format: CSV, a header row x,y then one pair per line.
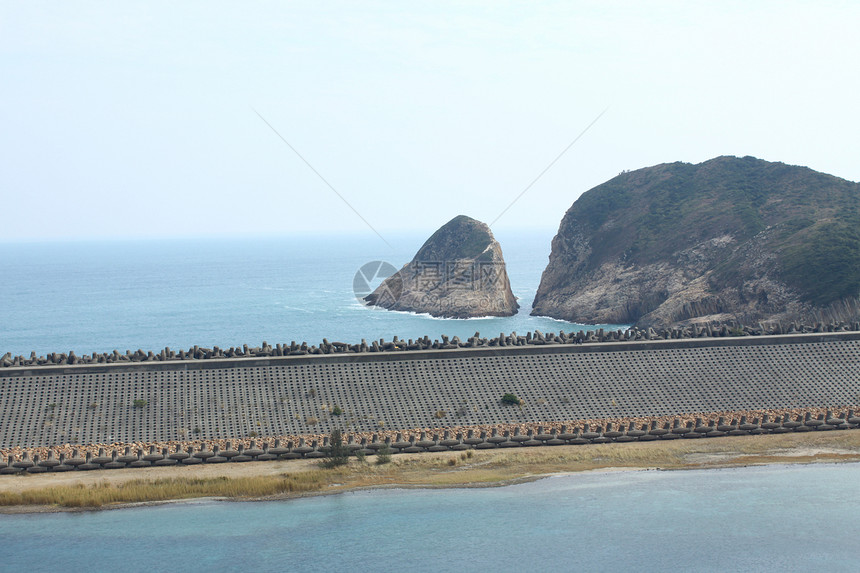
x,y
305,310
430,316
583,325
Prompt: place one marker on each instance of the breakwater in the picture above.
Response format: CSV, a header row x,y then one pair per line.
x,y
67,459
153,402
265,350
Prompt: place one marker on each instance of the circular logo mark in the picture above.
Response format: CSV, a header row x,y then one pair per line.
x,y
370,277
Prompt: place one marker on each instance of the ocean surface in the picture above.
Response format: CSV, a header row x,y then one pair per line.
x,y
129,295
778,518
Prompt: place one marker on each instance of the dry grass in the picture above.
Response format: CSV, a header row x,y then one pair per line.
x,y
446,469
498,466
139,491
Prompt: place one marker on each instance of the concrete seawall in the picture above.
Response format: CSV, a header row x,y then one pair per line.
x,y
133,403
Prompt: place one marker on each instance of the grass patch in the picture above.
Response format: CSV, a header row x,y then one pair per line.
x,y
337,454
383,456
137,491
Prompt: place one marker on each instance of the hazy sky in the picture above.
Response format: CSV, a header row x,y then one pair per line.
x,y
137,120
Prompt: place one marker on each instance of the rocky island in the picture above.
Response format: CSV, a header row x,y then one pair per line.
x,y
459,272
730,239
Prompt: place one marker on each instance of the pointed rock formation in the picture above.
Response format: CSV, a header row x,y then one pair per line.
x,y
458,273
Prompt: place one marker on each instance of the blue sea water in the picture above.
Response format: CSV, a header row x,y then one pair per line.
x,y
779,518
124,295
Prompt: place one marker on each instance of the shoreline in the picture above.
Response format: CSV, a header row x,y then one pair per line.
x,y
487,468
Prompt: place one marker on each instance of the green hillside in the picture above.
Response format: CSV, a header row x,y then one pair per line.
x,y
807,220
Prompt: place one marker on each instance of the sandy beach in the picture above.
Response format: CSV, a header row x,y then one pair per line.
x,y
446,469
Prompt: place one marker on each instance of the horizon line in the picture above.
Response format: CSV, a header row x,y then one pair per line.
x,y
244,236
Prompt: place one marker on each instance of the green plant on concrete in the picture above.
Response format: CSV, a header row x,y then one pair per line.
x,y
336,411
337,453
383,456
139,403
511,399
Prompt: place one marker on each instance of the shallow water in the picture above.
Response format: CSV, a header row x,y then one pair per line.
x,y
780,518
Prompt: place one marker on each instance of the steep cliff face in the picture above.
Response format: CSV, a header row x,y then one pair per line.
x,y
458,273
730,238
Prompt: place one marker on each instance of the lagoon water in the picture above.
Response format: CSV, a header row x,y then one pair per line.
x,y
780,518
125,295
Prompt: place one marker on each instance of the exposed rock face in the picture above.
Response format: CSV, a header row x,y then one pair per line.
x,y
728,239
458,273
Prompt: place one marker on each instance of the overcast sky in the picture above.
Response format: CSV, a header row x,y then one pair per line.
x,y
137,120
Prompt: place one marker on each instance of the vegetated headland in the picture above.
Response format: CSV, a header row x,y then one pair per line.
x,y
728,239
